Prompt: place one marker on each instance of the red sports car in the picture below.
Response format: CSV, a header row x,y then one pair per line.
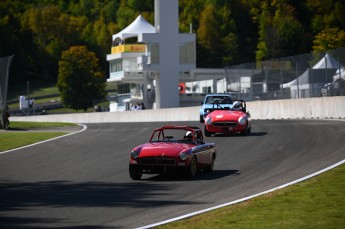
x,y
173,148
227,120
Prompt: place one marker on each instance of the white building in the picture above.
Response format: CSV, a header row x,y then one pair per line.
x,y
148,63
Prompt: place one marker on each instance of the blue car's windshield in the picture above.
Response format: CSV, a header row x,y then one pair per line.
x,y
219,99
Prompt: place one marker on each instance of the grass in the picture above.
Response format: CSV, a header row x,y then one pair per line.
x,y
11,140
316,203
14,140
37,87
32,125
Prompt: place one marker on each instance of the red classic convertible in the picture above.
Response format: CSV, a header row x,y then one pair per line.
x,y
227,120
172,148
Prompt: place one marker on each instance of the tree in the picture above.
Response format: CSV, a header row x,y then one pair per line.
x,y
209,38
80,81
280,34
52,31
329,39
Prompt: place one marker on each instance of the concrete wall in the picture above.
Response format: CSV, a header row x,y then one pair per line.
x,y
311,108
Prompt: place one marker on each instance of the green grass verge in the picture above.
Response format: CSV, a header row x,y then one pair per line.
x,y
11,140
29,125
316,203
14,140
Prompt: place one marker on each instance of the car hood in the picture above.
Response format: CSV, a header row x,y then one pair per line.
x,y
219,115
159,149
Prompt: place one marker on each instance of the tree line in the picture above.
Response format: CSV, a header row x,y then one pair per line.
x,y
229,32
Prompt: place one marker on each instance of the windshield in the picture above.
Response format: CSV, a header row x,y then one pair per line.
x,y
219,99
174,136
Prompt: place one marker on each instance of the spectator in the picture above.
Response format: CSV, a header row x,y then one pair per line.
x,y
138,107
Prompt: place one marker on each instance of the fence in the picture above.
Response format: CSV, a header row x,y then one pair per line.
x,y
302,76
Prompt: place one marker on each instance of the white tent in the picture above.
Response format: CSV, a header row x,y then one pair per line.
x,y
327,62
138,26
310,82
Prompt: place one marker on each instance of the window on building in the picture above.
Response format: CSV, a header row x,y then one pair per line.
x,y
187,53
124,88
206,90
153,53
116,66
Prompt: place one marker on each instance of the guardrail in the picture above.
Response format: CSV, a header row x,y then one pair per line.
x,y
309,108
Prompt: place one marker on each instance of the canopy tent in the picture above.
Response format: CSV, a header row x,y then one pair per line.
x,y
326,62
138,26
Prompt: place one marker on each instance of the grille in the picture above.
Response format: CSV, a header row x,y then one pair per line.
x,y
157,161
220,124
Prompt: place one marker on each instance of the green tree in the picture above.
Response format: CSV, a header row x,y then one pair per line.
x,y
326,14
280,33
209,38
80,80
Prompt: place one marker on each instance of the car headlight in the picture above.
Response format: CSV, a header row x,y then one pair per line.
x,y
183,156
242,121
208,121
135,153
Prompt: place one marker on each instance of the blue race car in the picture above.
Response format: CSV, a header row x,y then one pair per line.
x,y
223,100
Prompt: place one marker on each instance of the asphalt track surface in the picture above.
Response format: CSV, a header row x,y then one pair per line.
x,y
82,181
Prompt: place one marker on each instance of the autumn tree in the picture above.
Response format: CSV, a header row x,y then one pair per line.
x,y
331,38
80,80
280,33
52,31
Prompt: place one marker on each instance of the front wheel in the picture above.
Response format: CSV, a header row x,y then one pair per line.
x,y
246,132
135,172
191,171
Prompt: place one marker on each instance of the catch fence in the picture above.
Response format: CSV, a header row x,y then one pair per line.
x,y
303,76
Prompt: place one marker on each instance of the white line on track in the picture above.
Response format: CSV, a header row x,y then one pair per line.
x,y
62,136
243,199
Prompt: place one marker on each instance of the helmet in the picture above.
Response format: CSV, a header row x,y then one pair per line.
x,y
236,105
188,133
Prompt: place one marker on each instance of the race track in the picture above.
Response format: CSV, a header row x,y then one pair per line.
x,y
82,181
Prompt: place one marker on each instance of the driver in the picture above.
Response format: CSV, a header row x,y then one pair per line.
x,y
226,100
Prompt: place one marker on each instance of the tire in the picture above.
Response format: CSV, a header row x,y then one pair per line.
x,y
207,133
211,165
246,132
201,119
191,171
249,131
135,172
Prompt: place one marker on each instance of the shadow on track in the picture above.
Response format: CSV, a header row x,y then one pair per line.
x,y
17,196
216,174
